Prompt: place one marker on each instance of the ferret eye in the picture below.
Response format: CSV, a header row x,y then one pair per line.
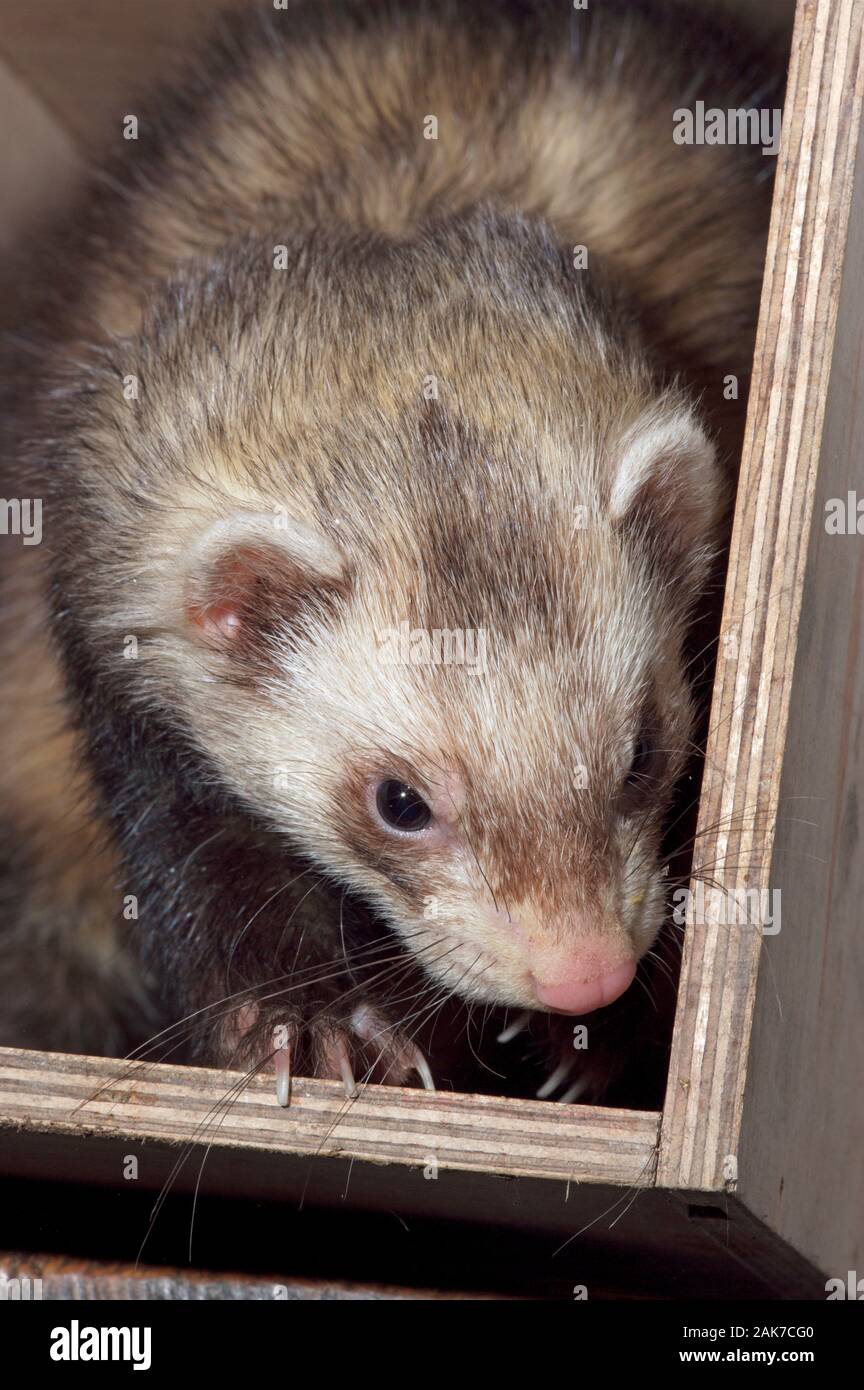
x,y
401,807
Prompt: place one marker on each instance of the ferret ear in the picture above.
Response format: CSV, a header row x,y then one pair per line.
x,y
252,579
667,481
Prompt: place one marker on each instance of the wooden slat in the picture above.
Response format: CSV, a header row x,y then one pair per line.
x,y
56,1092
786,420
802,1143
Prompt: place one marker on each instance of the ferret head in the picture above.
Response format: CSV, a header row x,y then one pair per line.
x,y
415,534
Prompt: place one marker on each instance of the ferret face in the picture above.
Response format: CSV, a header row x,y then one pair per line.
x,y
485,749
487,756
498,791
434,636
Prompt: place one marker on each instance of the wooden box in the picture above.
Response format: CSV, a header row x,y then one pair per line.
x,y
751,1179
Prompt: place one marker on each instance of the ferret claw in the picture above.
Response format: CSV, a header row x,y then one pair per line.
x,y
346,1071
422,1068
574,1092
282,1064
370,1027
561,1072
513,1029
384,1055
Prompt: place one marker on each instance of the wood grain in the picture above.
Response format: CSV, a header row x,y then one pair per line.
x,y
802,1143
56,1092
795,362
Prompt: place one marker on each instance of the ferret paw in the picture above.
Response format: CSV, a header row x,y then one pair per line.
x,y
354,1049
361,1048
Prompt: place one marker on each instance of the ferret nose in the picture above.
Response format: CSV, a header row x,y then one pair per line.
x,y
580,990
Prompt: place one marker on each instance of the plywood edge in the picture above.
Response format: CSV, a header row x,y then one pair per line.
x,y
738,811
802,1135
58,1093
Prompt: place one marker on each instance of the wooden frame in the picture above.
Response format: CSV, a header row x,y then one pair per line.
x,y
752,1092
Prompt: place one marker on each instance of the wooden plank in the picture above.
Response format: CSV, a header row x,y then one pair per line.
x,y
387,1124
620,1233
802,1144
785,436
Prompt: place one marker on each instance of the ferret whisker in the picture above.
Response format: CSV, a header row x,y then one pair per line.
x,y
408,1018
232,1096
423,987
453,990
661,964
624,1201
400,963
284,888
349,1101
190,1021
235,1090
735,819
484,1066
642,982
714,641
480,869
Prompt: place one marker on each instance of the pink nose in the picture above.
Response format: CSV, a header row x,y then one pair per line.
x,y
579,996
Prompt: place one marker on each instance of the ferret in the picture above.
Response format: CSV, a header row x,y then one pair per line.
x,y
376,409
